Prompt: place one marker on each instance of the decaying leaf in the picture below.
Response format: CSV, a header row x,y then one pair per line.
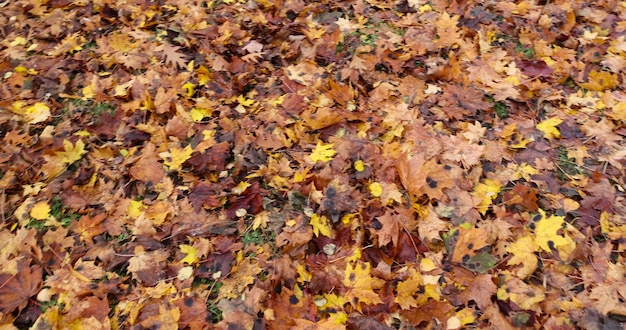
x,y
306,165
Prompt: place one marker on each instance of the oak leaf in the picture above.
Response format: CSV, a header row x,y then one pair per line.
x,y
172,56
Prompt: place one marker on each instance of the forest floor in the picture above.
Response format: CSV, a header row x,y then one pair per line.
x,y
275,164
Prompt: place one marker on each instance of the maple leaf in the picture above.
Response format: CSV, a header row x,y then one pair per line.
x,y
547,236
485,193
526,296
148,266
243,274
191,257
16,289
481,290
420,176
548,127
176,157
407,289
320,225
322,152
600,80
470,240
36,113
360,285
523,252
72,152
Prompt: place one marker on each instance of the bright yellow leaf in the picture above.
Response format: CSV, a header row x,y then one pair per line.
x,y
191,88
40,211
320,225
204,75
72,152
611,226
191,257
323,152
301,175
303,274
486,192
34,114
600,80
243,101
375,189
360,285
135,209
197,114
18,41
466,316
359,166
547,237
549,129
176,157
407,288
523,252
88,92
524,171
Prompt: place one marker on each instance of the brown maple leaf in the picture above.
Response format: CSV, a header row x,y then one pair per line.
x,y
16,289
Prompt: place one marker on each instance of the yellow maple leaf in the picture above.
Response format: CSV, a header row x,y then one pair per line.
x,y
611,227
72,152
135,209
547,237
176,157
40,211
360,285
323,152
548,127
320,225
600,80
407,288
524,295
244,101
197,114
34,114
523,252
242,274
486,192
191,257
524,171
89,92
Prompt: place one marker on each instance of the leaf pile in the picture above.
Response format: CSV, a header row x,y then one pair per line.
x,y
312,165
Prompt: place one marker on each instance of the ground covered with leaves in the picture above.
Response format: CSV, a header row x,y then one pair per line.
x,y
312,165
